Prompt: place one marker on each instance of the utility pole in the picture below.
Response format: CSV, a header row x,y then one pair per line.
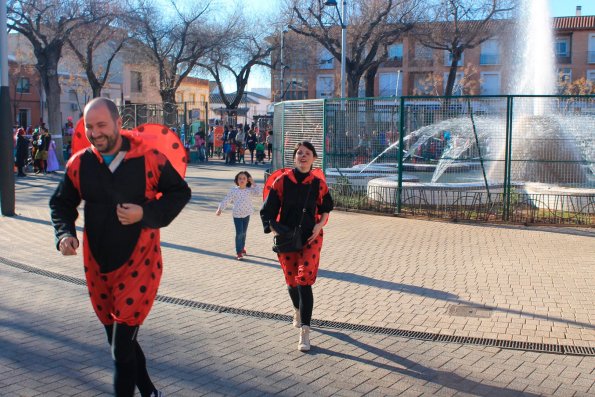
x,y
7,196
282,79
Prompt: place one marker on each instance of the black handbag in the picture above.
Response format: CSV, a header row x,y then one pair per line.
x,y
288,242
291,240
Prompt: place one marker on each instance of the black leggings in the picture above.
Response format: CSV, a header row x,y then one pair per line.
x,y
302,298
129,360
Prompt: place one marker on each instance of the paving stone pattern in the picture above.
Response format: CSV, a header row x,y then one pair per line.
x,y
384,271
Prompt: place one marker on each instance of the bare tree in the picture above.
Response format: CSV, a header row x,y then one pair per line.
x,y
47,24
247,48
96,46
457,25
176,41
372,26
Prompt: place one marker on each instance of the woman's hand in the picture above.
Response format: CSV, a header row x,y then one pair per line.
x,y
218,212
315,232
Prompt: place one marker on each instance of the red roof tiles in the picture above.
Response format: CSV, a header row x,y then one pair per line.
x,y
574,23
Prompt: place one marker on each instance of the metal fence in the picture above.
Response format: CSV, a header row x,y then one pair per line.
x,y
521,159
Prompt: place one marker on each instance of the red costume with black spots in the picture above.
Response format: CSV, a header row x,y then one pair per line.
x,y
284,205
123,263
125,205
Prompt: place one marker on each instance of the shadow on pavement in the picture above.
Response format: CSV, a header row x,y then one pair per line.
x,y
364,280
410,368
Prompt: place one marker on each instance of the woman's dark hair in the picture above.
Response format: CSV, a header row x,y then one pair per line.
x,y
247,176
307,145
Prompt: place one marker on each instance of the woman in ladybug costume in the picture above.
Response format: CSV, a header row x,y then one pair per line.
x,y
289,195
120,179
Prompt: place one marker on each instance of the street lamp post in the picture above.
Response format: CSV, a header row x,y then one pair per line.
x,y
7,191
343,20
282,60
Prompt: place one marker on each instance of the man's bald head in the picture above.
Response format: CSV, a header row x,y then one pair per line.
x,y
100,102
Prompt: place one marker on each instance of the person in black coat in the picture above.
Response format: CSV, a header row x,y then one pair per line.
x,y
22,152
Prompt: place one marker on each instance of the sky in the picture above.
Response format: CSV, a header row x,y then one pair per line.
x,y
558,8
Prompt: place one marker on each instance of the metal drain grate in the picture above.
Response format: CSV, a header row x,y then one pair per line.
x,y
425,336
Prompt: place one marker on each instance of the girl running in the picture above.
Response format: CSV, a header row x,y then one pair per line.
x,y
242,207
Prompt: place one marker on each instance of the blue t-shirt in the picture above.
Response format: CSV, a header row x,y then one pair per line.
x,y
108,158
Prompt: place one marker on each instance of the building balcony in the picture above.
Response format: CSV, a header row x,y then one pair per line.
x,y
421,62
489,59
394,62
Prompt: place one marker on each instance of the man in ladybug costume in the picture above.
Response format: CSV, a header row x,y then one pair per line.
x,y
130,191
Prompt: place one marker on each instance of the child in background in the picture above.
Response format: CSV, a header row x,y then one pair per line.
x,y
260,152
240,195
226,150
241,152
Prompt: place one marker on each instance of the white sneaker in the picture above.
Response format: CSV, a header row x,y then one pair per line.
x,y
304,343
297,321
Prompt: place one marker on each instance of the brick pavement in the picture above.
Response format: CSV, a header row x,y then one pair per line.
x,y
382,271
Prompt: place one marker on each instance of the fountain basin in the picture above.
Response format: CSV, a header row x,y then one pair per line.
x,y
417,167
432,194
560,198
535,195
361,179
427,193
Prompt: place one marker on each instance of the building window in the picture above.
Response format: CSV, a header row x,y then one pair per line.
x,y
23,85
24,118
136,82
395,52
389,83
192,98
203,99
490,52
564,75
325,86
562,46
591,75
490,83
422,52
72,96
448,59
325,59
180,97
591,52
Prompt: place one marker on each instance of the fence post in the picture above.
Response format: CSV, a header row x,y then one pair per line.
x,y
400,159
282,140
324,162
507,159
185,118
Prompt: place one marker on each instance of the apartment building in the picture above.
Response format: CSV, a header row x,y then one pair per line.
x,y
413,69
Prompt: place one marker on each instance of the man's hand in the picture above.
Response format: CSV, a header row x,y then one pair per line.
x,y
68,245
218,212
129,214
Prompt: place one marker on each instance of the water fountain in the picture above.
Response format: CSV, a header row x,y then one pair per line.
x,y
551,152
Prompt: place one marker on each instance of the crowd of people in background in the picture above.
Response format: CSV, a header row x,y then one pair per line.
x,y
241,144
34,149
